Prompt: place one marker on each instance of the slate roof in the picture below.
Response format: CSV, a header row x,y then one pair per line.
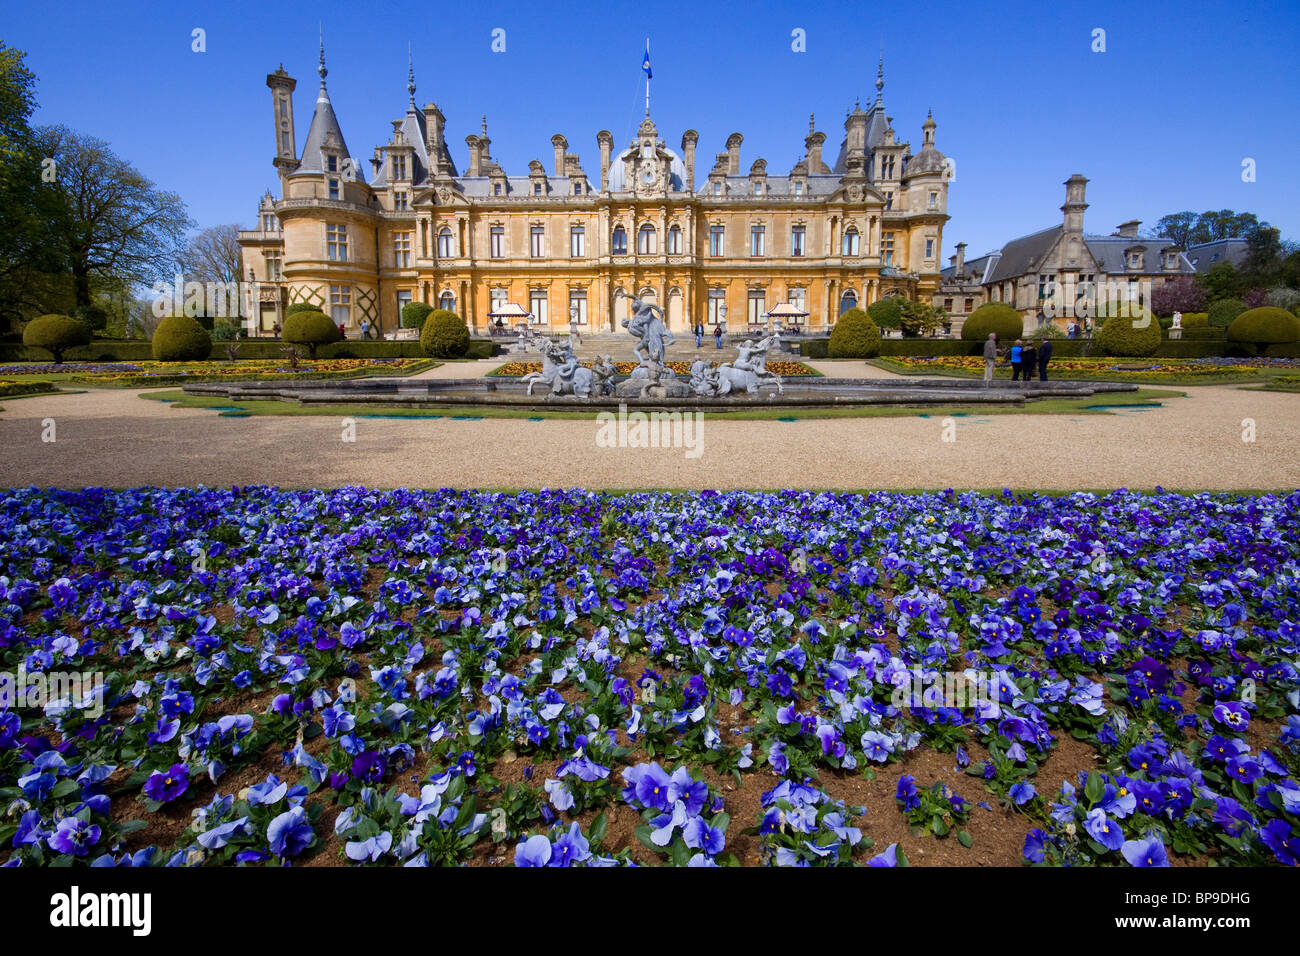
x,y
324,126
1109,253
1206,255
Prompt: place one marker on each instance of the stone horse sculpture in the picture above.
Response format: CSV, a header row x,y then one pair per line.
x,y
561,372
746,374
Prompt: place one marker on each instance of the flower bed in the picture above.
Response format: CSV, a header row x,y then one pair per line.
x,y
569,678
783,368
172,373
1107,368
81,368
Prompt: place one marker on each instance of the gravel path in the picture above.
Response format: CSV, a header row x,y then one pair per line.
x,y
116,438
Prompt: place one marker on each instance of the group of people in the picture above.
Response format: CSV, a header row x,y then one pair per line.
x,y
1024,359
717,335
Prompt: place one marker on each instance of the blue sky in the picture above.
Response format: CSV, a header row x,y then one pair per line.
x,y
1160,122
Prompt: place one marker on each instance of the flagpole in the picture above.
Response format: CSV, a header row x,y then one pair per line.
x,y
647,80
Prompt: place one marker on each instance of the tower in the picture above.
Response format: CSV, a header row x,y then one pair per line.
x,y
282,86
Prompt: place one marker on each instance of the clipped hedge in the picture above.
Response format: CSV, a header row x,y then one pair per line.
x,y
444,335
815,348
993,317
56,334
414,315
1268,325
1196,320
311,329
300,307
100,350
1128,331
855,335
1222,313
180,338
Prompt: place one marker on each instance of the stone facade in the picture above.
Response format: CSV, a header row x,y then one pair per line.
x,y
413,227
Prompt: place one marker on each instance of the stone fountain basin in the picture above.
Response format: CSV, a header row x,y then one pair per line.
x,y
821,392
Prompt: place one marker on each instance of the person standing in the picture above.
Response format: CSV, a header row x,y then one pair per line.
x,y
699,334
990,357
1017,350
717,335
1044,356
1028,359
365,328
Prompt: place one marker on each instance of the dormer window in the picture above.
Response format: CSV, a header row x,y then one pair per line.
x,y
334,189
537,189
400,201
758,189
332,163
717,189
798,190
399,167
496,189
1135,260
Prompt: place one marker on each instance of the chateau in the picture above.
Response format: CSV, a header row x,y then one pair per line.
x,y
360,243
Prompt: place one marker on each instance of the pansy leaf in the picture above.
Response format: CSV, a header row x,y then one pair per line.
x,y
964,838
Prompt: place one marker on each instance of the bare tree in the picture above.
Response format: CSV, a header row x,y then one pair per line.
x,y
213,256
118,224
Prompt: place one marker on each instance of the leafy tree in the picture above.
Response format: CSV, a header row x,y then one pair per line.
x,y
116,224
1184,294
29,209
213,256
1178,226
920,318
1220,281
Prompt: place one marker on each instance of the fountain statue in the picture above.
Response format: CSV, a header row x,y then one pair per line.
x,y
561,371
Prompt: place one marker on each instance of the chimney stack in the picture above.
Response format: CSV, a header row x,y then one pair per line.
x,y
959,261
606,141
561,144
689,139
733,154
475,155
1075,188
1129,230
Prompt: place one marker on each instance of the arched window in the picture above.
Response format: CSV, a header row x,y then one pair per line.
x,y
646,241
446,248
447,301
620,241
675,241
849,300
849,242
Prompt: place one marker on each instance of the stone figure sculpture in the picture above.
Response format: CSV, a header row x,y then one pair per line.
x,y
561,372
646,323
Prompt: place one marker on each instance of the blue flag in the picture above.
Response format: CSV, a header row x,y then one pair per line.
x,y
645,65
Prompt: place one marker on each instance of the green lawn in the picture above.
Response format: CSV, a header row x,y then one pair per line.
x,y
1260,376
1143,398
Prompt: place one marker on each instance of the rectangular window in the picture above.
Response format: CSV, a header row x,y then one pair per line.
x,y
887,249
798,190
341,304
968,305
403,299
272,266
947,305
889,200
758,189
929,248
675,241
498,299
537,306
757,306
284,141
332,164
497,238
536,240
756,235
797,235
268,223
717,300
402,249
717,189
577,188
445,244
799,299
401,202
716,235
336,242
399,167
496,189
577,242
578,300
537,189
284,108
334,189
934,201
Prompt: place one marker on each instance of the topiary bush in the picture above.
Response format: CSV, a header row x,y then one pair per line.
x,y
855,335
1196,320
56,334
1127,330
1265,326
310,329
1222,313
414,315
300,307
886,313
994,317
180,338
444,335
